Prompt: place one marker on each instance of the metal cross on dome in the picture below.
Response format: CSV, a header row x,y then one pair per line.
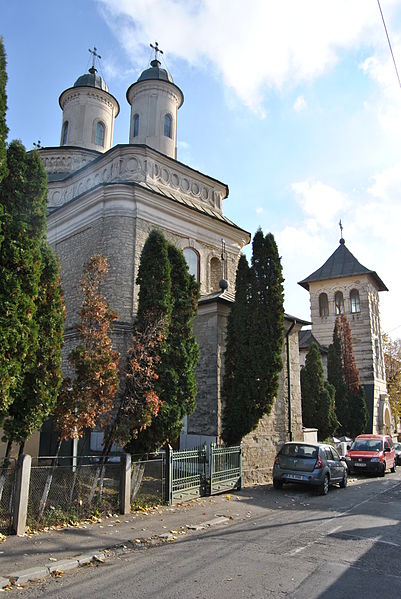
x,y
94,55
156,49
341,228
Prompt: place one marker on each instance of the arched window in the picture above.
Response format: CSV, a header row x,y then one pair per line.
x,y
339,302
168,122
136,125
192,259
323,304
64,134
354,298
99,137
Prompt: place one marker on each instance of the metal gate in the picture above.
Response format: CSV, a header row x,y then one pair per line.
x,y
204,471
187,474
225,468
7,488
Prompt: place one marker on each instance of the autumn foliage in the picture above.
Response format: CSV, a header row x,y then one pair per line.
x,y
89,398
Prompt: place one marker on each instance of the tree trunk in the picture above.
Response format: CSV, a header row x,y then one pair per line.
x,y
136,479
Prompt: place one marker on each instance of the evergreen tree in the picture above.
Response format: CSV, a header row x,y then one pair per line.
x,y
318,407
38,395
349,393
23,197
175,385
335,376
3,108
237,360
254,382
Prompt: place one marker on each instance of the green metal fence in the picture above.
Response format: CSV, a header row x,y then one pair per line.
x,y
225,468
204,471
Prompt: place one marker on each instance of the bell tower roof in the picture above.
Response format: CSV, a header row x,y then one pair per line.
x,y
341,264
91,79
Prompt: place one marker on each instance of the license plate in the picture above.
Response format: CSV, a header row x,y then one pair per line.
x,y
360,465
295,476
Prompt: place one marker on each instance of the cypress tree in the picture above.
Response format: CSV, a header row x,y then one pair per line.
x,y
237,360
23,196
251,384
335,376
318,407
350,395
176,385
37,398
3,108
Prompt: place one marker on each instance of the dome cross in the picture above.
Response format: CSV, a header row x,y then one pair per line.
x,y
156,49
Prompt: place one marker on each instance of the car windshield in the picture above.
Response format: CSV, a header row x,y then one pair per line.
x,y
299,451
397,446
366,445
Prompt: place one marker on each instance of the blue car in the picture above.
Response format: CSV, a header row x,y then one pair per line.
x,y
313,464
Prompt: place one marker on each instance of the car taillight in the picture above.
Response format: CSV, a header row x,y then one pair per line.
x,y
319,463
276,460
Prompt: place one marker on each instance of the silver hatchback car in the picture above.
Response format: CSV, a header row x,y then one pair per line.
x,y
310,464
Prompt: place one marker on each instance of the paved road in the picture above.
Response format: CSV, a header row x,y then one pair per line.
x,y
343,546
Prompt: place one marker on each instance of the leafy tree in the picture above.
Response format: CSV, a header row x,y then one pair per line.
x,y
392,360
37,398
23,197
254,381
89,399
179,354
352,404
318,407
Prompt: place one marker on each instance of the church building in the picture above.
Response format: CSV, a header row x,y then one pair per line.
x,y
106,199
343,286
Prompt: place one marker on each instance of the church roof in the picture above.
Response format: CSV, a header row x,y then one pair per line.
x,y
341,264
306,338
91,79
155,72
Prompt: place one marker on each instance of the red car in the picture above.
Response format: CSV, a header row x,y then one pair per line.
x,y
373,454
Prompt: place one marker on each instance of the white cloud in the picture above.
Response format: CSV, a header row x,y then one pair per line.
x,y
259,210
265,44
321,204
300,104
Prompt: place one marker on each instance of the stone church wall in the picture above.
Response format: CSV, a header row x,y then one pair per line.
x,y
261,445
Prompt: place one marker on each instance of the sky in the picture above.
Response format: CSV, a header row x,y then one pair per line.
x,y
295,105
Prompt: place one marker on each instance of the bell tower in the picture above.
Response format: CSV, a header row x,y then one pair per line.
x,y
155,100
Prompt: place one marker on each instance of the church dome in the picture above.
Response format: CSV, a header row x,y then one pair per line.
x,y
155,72
91,79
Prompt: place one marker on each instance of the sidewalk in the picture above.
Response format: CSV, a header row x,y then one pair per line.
x,y
33,557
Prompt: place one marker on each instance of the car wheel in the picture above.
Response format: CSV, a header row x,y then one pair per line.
x,y
383,470
394,468
277,484
344,481
324,487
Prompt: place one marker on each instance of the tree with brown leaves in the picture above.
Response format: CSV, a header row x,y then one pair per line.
x,y
392,360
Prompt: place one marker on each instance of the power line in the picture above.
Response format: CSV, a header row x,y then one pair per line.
x,y
389,43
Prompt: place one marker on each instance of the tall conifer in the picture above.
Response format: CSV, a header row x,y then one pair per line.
x,y
3,108
318,406
251,385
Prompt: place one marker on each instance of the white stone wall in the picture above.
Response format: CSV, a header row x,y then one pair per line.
x,y
83,108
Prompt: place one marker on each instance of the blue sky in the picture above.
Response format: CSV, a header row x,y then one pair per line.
x,y
294,104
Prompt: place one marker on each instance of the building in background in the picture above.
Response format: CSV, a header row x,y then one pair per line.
x,y
343,285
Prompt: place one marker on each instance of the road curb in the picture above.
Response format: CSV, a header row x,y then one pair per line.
x,y
40,573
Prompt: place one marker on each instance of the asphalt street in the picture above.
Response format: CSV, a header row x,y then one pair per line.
x,y
292,544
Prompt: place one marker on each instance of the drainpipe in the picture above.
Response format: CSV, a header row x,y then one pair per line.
x,y
287,339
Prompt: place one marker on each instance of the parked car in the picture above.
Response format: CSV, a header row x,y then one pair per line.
x,y
313,464
397,447
372,454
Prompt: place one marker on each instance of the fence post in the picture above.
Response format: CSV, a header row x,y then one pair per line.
x,y
21,494
168,492
125,484
240,468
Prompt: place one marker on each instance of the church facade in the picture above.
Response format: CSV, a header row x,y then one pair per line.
x,y
344,286
106,199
